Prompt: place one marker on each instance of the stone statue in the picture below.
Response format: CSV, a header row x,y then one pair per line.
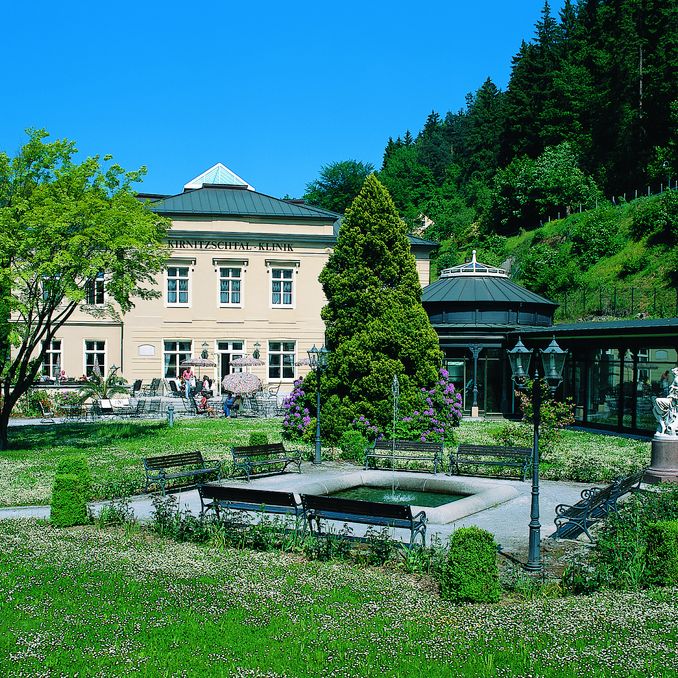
x,y
665,410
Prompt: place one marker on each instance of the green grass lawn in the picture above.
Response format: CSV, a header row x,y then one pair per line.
x,y
111,602
115,451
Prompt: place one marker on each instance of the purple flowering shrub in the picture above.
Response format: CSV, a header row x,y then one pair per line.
x,y
368,430
438,412
297,421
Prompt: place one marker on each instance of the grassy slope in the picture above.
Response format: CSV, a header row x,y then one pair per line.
x,y
115,450
608,270
109,603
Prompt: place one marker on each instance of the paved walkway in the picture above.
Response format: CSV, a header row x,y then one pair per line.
x,y
507,521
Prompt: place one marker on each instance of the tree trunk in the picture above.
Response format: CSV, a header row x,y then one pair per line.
x,y
4,426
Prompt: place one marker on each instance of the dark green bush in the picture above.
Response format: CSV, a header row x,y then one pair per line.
x,y
662,553
258,438
69,506
470,573
620,559
76,464
352,445
657,219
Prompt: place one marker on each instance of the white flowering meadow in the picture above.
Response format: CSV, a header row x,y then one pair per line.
x,y
112,602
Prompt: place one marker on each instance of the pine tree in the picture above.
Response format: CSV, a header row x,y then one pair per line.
x,y
375,325
432,151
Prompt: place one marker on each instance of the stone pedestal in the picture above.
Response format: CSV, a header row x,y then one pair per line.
x,y
474,412
664,463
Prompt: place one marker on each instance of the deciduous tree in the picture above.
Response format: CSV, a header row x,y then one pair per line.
x,y
63,222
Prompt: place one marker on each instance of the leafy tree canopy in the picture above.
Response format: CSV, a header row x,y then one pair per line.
x,y
337,185
62,223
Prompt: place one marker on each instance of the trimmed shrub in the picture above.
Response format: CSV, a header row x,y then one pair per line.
x,y
662,553
352,445
620,559
258,438
470,573
76,464
69,506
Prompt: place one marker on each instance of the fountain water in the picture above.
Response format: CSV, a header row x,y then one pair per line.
x,y
395,497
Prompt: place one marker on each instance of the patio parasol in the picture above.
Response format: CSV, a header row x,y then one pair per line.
x,y
198,362
241,383
302,362
246,361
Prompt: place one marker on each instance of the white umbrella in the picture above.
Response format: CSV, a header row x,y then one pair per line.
x,y
302,362
247,361
241,383
198,362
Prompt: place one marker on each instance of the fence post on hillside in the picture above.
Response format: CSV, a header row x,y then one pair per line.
x,y
648,190
614,302
636,193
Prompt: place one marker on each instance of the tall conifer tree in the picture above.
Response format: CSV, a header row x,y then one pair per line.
x,y
376,326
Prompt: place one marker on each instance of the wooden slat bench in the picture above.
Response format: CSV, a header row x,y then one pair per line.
x,y
594,505
219,497
404,450
161,469
265,457
491,455
365,512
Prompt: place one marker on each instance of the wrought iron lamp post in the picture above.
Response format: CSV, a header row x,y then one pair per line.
x,y
553,361
317,359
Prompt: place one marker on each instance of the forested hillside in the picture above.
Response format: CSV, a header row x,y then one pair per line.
x,y
590,114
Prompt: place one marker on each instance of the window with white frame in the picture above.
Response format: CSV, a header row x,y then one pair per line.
x,y
95,357
51,363
282,286
230,286
174,351
94,291
177,285
281,360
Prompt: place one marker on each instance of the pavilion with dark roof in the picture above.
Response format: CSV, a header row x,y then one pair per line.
x,y
613,372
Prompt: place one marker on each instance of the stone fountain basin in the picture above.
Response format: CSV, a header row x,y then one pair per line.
x,y
481,493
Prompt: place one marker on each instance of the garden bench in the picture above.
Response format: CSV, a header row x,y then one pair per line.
x,y
405,450
265,457
491,455
319,508
594,505
175,466
218,497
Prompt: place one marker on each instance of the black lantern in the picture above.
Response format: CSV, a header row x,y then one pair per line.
x,y
205,350
256,353
553,361
519,357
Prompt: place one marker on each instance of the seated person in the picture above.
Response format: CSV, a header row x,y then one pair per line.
x,y
231,404
204,407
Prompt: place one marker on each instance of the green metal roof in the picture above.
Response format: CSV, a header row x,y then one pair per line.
x,y
236,201
479,288
653,326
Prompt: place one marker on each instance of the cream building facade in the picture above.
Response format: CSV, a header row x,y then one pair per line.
x,y
241,278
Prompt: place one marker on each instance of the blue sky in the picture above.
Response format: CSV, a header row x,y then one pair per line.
x,y
272,90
